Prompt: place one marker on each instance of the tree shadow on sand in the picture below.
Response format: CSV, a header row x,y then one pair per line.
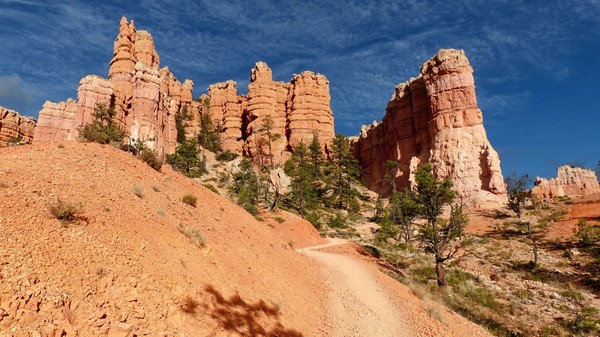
x,y
246,319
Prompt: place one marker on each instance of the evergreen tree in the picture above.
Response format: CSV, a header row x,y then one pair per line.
x,y
103,129
402,212
316,155
438,236
246,186
209,135
266,130
303,194
187,159
180,117
342,174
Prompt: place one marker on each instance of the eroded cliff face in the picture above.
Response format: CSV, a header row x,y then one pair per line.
x,y
433,118
145,97
14,126
570,181
297,111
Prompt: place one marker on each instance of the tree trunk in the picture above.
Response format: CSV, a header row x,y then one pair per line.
x,y
439,270
535,251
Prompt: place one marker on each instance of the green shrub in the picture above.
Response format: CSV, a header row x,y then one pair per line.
x,y
587,233
103,128
212,188
314,219
279,219
65,211
337,221
226,156
190,199
251,209
15,141
150,158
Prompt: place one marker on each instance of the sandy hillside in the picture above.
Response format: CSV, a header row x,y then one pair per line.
x,y
131,265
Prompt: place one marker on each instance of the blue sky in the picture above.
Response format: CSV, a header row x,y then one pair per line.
x,y
537,64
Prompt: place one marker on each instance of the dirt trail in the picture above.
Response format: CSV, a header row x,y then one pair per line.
x,y
359,304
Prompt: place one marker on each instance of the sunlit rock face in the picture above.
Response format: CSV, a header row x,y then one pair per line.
x,y
570,182
14,126
432,118
145,97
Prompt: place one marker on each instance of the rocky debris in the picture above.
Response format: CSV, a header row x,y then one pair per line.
x,y
571,181
433,118
14,126
145,97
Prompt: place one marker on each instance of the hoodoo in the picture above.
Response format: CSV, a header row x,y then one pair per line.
x,y
433,118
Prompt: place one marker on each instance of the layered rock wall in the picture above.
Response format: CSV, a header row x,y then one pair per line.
x,y
570,181
14,126
145,97
297,111
433,118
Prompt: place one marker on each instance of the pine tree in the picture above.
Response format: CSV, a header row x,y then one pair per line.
x,y
438,236
342,174
303,195
209,135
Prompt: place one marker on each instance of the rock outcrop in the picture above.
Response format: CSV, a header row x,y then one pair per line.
x,y
433,118
570,182
14,126
295,112
145,97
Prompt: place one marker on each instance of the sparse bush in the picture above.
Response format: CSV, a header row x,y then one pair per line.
x,y
337,221
226,156
15,141
193,234
251,209
314,219
190,199
587,233
150,158
156,188
212,188
585,322
279,219
138,190
66,212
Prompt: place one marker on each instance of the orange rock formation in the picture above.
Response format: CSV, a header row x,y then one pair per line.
x,y
433,118
298,110
13,125
146,98
571,181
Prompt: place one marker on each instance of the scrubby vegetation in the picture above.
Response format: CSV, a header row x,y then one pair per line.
x,y
64,211
190,199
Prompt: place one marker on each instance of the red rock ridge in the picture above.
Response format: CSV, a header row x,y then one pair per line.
x,y
298,109
433,118
146,98
13,125
570,181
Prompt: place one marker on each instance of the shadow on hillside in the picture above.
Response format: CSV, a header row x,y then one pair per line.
x,y
246,319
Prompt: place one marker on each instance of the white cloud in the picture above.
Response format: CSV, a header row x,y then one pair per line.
x,y
14,95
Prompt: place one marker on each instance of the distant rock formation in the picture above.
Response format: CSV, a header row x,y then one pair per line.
x,y
571,181
298,110
146,98
13,126
433,118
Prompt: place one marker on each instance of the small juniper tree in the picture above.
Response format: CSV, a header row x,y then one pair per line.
x,y
303,195
187,159
209,135
180,118
439,236
392,167
516,187
402,212
103,129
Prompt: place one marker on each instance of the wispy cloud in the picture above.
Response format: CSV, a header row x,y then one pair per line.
x,y
13,94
